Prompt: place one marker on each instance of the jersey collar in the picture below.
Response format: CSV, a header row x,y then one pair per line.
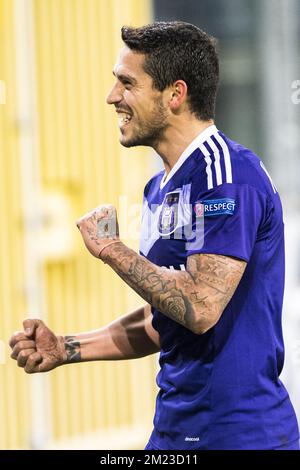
x,y
202,137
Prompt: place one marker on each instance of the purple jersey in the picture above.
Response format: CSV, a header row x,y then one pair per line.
x,y
221,390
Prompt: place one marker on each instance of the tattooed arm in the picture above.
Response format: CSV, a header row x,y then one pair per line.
x,y
128,337
195,298
38,349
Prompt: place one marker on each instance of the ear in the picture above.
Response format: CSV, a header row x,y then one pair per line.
x,y
178,94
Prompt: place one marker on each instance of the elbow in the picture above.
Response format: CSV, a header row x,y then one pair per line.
x,y
201,328
203,322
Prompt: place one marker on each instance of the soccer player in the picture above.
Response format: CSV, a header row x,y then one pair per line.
x,y
211,263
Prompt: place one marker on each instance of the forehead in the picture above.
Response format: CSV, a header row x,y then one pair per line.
x,y
130,63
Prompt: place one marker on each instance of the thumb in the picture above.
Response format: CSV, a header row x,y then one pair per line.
x,y
30,325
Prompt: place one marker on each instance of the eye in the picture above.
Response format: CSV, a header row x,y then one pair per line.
x,y
127,85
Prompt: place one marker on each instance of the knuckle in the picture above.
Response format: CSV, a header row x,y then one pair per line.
x,y
13,355
21,336
80,221
15,351
20,345
23,353
15,337
100,209
16,333
31,364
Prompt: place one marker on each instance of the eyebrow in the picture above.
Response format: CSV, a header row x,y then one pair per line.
x,y
125,78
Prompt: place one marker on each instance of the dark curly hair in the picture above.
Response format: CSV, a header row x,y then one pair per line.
x,y
179,51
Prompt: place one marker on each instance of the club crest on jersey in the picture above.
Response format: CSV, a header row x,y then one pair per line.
x,y
168,218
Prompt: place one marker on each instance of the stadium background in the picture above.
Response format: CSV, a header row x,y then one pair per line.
x,y
59,157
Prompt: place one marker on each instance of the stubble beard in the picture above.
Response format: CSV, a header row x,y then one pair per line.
x,y
149,132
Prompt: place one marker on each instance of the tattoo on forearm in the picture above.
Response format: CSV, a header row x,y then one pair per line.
x,y
183,296
72,347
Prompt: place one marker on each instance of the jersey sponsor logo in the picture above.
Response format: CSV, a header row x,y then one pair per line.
x,y
192,439
214,207
168,218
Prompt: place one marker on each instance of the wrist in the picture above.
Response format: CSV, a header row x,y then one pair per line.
x,y
70,349
64,356
106,247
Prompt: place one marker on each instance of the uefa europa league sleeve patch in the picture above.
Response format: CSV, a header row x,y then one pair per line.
x,y
214,207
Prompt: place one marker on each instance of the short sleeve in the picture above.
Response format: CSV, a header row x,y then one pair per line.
x,y
227,220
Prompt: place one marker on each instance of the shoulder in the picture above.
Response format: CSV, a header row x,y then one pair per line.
x,y
222,161
247,168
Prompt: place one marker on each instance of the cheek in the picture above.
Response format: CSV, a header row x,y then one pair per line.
x,y
128,97
138,102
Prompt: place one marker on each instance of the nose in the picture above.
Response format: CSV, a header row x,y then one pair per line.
x,y
115,95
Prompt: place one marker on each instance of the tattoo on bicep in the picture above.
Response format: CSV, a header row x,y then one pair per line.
x,y
72,347
220,274
187,297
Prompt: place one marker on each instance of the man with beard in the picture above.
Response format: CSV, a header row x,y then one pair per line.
x,y
211,263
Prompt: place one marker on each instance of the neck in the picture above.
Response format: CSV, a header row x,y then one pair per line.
x,y
177,138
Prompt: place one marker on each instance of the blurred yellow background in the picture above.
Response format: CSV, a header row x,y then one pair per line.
x,y
59,158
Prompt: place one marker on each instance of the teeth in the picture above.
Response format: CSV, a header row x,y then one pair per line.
x,y
124,118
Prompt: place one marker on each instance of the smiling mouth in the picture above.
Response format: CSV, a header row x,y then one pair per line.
x,y
123,118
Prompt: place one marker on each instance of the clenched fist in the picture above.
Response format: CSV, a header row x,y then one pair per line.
x,y
99,228
37,348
